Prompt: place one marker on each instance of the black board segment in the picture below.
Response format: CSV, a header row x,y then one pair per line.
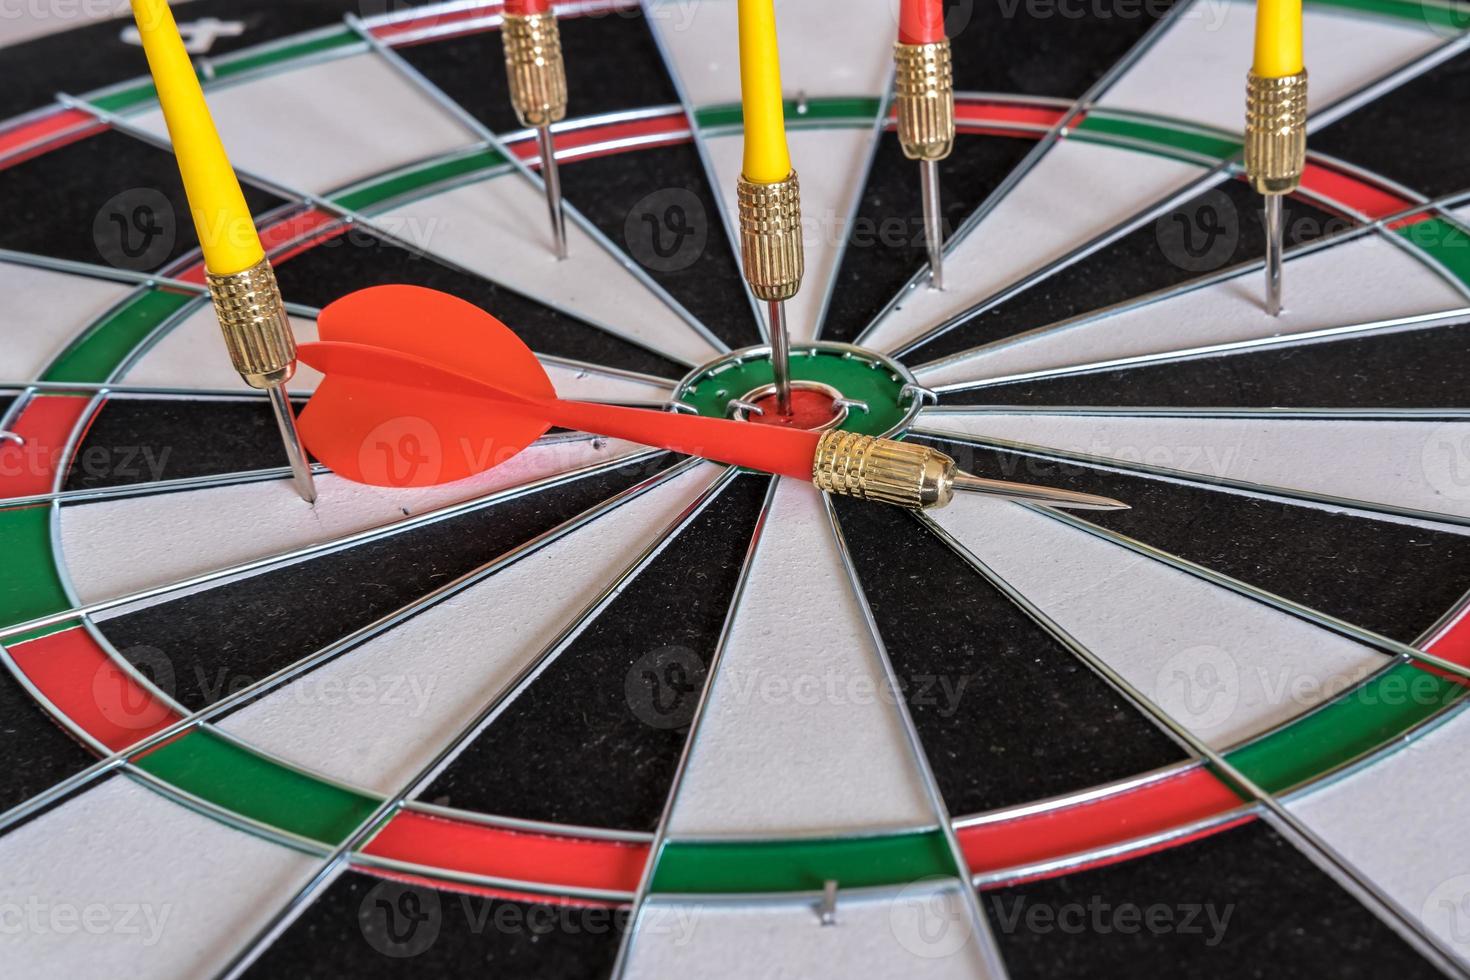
x,y
1415,135
598,735
1424,368
41,752
1214,230
358,259
1007,715
1392,578
109,199
363,926
657,206
1040,47
144,440
1241,903
612,64
886,244
215,642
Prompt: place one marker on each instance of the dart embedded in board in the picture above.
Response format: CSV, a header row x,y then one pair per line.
x,y
537,75
768,194
486,397
242,284
1276,124
923,95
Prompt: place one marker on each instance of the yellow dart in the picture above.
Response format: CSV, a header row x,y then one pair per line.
x,y
1276,124
767,193
242,283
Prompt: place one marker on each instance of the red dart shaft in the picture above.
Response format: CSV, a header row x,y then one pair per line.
x,y
769,448
920,21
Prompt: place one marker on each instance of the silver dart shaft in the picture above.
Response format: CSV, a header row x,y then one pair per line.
x,y
933,230
291,438
1275,234
551,177
780,355
1032,494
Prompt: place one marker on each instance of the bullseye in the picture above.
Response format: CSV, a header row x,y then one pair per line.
x,y
813,406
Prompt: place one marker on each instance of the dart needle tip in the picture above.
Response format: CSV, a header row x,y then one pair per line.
x,y
1032,494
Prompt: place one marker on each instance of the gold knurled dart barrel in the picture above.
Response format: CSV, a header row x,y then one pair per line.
x,y
923,91
1275,132
253,319
883,470
771,249
534,66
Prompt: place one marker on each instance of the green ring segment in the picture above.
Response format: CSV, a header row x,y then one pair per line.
x,y
859,374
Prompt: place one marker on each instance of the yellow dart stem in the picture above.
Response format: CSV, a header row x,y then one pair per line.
x,y
767,160
1278,38
221,217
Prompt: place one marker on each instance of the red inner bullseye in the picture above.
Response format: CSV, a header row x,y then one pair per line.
x,y
809,410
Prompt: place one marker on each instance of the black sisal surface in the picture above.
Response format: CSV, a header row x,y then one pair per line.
x,y
1006,713
597,737
657,206
109,199
359,259
1036,47
886,244
141,440
1242,903
1413,135
611,63
1414,369
1214,230
214,642
1395,579
363,926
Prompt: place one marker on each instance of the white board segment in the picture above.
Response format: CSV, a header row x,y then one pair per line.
x,y
122,882
1226,667
43,312
114,547
800,735
923,931
1401,822
192,355
362,119
1417,465
1343,52
497,228
817,58
1055,209
376,716
1359,281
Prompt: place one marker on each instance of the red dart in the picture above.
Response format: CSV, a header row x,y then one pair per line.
x,y
424,388
920,21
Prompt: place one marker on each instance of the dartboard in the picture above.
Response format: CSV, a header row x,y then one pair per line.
x,y
603,710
